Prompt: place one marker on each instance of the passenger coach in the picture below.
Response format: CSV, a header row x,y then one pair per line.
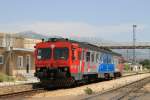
x,y
63,61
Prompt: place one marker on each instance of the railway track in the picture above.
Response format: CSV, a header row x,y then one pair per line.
x,y
22,93
35,91
126,92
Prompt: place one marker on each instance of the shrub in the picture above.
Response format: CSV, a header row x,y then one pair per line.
x,y
5,78
20,77
88,91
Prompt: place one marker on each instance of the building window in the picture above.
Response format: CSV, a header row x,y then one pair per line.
x,y
28,63
1,59
28,60
20,61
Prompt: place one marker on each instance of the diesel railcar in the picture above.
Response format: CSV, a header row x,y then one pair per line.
x,y
65,62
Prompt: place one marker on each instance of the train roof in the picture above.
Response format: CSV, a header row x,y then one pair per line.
x,y
97,48
86,45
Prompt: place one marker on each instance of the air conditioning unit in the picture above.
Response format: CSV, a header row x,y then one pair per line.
x,y
8,48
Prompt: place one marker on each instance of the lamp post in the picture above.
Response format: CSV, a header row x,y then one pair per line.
x,y
134,47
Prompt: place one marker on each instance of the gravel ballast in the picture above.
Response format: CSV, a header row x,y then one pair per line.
x,y
96,87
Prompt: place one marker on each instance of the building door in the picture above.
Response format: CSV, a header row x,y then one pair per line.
x,y
28,63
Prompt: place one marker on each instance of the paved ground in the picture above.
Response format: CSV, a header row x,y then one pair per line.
x,y
30,79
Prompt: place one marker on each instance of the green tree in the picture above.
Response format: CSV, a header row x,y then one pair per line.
x,y
145,63
126,66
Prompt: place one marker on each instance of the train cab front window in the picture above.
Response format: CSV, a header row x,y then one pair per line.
x,y
61,53
43,53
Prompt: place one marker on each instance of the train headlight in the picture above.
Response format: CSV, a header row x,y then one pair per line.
x,y
52,46
37,69
66,69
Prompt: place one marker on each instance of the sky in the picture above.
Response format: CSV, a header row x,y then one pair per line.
x,y
107,19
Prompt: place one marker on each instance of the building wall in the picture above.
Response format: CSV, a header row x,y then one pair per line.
x,y
25,43
22,69
2,53
10,57
137,67
18,43
30,43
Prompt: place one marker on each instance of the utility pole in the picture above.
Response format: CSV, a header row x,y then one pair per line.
x,y
8,62
149,54
134,46
127,55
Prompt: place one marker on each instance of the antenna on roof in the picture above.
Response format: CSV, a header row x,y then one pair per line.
x,y
42,40
67,39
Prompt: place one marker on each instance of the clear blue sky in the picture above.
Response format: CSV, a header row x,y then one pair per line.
x,y
90,14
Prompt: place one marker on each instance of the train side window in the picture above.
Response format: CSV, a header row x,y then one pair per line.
x,y
82,55
108,59
88,56
97,57
73,54
92,57
79,55
105,59
116,61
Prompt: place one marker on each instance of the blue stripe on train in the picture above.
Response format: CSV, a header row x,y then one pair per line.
x,y
106,68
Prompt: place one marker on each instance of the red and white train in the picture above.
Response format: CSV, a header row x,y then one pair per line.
x,y
65,62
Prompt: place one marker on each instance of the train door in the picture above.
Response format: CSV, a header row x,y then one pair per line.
x,y
92,62
79,62
116,62
82,61
74,59
103,64
75,62
98,60
110,65
87,62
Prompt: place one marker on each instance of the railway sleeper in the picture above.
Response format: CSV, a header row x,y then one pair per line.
x,y
59,83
